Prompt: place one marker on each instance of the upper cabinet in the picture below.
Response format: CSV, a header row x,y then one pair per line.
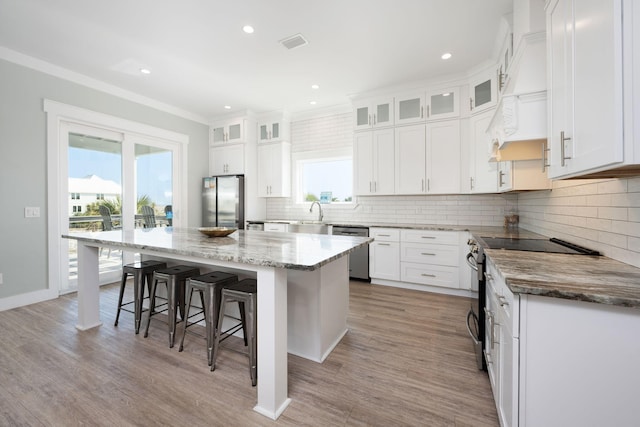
x,y
373,113
373,162
483,175
232,130
273,128
226,159
483,91
274,169
590,51
410,108
443,104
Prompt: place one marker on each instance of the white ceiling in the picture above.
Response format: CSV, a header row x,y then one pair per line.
x,y
201,60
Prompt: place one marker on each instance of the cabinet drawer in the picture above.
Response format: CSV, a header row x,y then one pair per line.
x,y
430,254
385,234
436,275
275,226
430,236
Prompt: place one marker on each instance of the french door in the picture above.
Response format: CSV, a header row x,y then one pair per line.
x,y
95,159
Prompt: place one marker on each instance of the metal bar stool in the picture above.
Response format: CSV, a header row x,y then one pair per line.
x,y
244,293
174,278
210,287
140,271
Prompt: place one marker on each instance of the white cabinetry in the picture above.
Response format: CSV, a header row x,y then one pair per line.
x,y
384,253
484,91
273,128
560,362
274,169
226,159
590,115
443,104
275,226
483,174
232,130
373,113
410,108
428,158
374,162
522,175
430,258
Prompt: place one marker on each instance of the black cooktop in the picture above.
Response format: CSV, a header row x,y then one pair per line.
x,y
552,245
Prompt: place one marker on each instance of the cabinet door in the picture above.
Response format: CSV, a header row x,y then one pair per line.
x,y
274,169
235,131
269,132
505,180
443,104
586,129
410,166
226,160
484,174
363,163
443,157
383,161
484,91
410,108
508,376
384,260
369,114
218,134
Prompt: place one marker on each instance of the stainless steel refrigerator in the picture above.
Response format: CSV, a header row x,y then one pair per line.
x,y
223,201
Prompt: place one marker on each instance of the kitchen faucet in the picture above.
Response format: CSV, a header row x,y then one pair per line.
x,y
319,207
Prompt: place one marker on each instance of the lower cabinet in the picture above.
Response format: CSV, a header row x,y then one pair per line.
x,y
418,259
560,362
275,226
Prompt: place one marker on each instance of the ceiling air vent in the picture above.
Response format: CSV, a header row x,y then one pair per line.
x,y
294,41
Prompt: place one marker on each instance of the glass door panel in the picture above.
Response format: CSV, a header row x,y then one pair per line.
x,y
94,198
154,185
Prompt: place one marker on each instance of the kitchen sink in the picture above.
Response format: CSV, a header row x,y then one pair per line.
x,y
312,227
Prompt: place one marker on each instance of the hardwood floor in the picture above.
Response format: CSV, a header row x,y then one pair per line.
x,y
406,361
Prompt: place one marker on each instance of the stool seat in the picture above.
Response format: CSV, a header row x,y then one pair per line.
x,y
140,271
174,278
209,286
244,293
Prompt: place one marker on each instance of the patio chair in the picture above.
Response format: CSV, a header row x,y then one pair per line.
x,y
148,217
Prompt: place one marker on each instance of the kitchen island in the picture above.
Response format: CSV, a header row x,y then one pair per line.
x,y
318,292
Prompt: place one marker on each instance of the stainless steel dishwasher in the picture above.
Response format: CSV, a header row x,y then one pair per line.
x,y
358,259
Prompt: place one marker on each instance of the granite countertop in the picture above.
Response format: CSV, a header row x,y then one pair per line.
x,y
296,251
578,277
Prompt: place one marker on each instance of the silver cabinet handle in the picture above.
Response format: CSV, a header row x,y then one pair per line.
x,y
385,235
428,275
374,120
428,184
384,244
471,183
500,181
562,149
544,156
422,185
471,104
422,112
427,253
369,119
428,111
427,237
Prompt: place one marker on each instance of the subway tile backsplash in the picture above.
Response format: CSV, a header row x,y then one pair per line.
x,y
599,214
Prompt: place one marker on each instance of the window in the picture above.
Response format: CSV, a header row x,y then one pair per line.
x,y
100,196
77,209
75,196
328,174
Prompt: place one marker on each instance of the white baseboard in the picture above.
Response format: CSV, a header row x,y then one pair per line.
x,y
27,299
426,288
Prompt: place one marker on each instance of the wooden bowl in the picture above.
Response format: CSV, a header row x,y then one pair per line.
x,y
216,231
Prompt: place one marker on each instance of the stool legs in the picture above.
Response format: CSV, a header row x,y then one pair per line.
x,y
139,279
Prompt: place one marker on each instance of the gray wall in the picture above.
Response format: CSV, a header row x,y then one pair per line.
x,y
23,160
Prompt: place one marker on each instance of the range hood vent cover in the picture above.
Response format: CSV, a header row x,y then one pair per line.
x,y
294,41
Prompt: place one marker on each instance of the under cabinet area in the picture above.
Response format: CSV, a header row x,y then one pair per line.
x,y
522,175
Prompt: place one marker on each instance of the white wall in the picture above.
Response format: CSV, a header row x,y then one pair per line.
x,y
23,155
336,131
599,214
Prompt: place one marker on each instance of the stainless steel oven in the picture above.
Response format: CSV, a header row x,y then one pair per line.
x,y
476,260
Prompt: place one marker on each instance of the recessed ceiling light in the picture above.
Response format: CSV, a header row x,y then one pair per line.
x,y
446,55
446,94
313,103
315,87
247,29
145,71
227,107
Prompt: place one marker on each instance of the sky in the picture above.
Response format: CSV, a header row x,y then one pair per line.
x,y
153,171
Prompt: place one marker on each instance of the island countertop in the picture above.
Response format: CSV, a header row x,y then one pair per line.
x,y
578,277
295,251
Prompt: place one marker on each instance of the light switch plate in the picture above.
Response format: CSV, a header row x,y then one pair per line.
x,y
31,212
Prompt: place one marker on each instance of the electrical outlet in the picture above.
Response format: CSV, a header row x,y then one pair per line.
x,y
31,212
